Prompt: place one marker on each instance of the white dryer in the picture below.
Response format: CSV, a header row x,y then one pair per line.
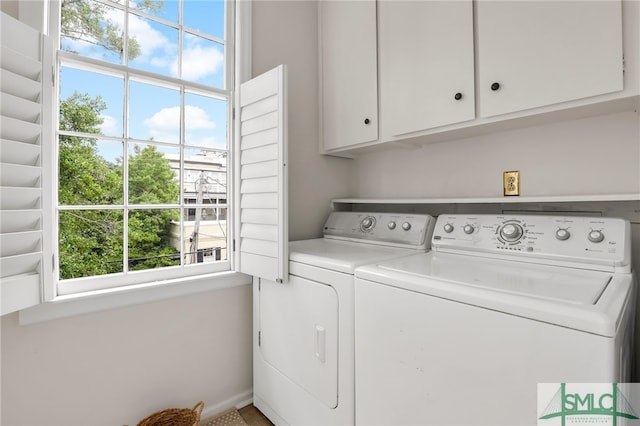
x,y
303,357
463,334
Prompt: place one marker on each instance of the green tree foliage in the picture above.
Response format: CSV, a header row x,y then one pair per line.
x,y
90,243
149,239
98,183
85,20
149,230
91,240
148,173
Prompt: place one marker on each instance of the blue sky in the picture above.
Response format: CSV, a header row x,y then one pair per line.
x,y
154,111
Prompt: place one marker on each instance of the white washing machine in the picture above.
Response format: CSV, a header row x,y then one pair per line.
x,y
303,330
463,334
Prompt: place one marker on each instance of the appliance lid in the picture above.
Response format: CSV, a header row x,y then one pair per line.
x,y
567,285
584,300
342,256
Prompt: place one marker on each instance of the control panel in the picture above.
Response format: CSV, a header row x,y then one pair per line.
x,y
589,240
396,229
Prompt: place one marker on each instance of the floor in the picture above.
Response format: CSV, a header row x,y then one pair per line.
x,y
253,416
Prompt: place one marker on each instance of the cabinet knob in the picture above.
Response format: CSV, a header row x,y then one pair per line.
x,y
495,86
367,121
458,96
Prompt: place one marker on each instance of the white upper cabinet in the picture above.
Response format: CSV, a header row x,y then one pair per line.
x,y
428,70
349,77
538,53
426,64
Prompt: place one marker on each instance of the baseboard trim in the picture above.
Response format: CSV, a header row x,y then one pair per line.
x,y
237,401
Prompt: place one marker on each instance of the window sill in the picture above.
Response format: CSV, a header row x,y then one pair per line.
x,y
94,301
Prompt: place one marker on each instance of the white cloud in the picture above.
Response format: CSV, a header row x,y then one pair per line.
x,y
200,58
109,125
149,39
165,119
198,62
165,124
197,118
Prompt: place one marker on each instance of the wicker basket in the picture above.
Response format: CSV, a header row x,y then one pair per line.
x,y
175,417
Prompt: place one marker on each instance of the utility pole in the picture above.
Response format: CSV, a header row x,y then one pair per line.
x,y
196,225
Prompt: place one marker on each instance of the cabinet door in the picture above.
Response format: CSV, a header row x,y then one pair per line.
x,y
426,64
546,52
348,72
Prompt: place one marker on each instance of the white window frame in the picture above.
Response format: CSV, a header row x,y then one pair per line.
x,y
59,306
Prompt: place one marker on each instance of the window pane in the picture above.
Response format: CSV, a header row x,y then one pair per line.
x,y
205,177
202,61
150,243
90,243
168,207
154,113
92,29
205,121
206,17
152,174
91,102
204,240
165,9
90,171
153,46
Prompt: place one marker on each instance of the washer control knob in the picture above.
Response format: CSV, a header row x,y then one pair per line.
x,y
406,226
468,229
448,228
367,224
511,232
562,234
391,225
596,236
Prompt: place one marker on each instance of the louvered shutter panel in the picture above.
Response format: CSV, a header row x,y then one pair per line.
x,y
263,228
25,53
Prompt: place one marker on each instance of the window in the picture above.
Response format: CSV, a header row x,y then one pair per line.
x,y
143,140
30,185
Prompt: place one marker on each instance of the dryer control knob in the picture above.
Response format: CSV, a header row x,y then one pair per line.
x,y
596,236
391,225
448,228
406,226
562,234
468,229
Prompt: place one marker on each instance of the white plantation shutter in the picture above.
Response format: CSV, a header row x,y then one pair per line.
x,y
24,129
263,228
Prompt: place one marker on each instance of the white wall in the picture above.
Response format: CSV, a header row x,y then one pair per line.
x,y
117,366
281,35
599,155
